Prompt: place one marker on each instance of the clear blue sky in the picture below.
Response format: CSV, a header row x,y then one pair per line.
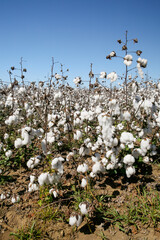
x,y
76,33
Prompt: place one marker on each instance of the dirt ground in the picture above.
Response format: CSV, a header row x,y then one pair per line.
x,y
19,215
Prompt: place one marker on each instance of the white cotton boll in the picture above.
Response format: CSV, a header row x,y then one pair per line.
x,y
82,168
120,126
32,178
43,179
84,183
8,153
104,161
127,116
127,139
44,146
112,54
103,75
79,134
136,153
112,76
96,157
32,187
141,133
77,80
128,159
6,136
3,196
130,170
26,138
57,76
146,159
128,60
79,220
108,153
30,164
97,167
18,143
1,171
110,166
21,90
83,208
72,220
145,145
15,199
92,175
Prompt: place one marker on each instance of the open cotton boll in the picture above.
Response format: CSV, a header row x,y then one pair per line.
x,y
15,199
43,179
3,196
112,76
18,143
145,145
128,60
127,139
32,187
77,80
6,136
82,168
130,170
84,208
97,167
128,159
84,183
127,116
103,75
53,192
146,159
96,157
75,219
8,153
57,164
137,152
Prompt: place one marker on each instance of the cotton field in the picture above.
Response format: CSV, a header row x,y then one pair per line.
x,y
69,140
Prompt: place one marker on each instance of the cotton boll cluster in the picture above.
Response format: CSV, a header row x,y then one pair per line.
x,y
47,178
33,162
82,168
142,62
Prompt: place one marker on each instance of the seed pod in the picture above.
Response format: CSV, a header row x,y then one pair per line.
x,y
124,47
119,41
138,52
135,40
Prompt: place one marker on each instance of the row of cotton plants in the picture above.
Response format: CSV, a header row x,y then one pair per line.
x,y
91,130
